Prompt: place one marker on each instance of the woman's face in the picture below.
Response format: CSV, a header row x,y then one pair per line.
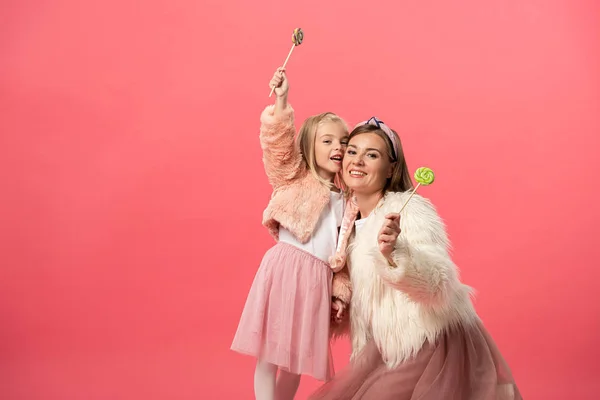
x,y
366,165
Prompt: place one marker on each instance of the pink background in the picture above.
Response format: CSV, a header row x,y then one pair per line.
x,y
133,189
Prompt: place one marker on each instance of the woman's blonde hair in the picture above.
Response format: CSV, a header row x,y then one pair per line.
x,y
306,142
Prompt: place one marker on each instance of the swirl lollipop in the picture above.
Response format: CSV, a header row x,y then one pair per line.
x,y
297,38
424,176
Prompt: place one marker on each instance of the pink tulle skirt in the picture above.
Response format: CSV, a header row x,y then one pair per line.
x,y
286,317
464,364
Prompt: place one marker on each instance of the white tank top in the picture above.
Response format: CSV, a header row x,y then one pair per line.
x,y
323,241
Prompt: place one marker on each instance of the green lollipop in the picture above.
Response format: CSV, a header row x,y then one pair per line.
x,y
424,176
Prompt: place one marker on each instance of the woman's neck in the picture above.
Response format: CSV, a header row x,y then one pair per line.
x,y
367,202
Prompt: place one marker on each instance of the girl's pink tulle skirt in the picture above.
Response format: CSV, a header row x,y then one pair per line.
x,y
287,314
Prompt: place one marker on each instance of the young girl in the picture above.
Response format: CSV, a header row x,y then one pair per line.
x,y
285,322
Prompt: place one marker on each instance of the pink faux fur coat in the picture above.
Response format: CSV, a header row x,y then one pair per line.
x,y
298,197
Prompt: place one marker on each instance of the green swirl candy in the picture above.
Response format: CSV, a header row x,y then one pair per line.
x,y
424,176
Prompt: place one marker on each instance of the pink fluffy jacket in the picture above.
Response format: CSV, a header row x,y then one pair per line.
x,y
298,198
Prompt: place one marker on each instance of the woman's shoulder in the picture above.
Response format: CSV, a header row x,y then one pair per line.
x,y
419,217
393,202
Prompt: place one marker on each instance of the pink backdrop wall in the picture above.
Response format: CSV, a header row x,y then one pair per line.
x,y
133,189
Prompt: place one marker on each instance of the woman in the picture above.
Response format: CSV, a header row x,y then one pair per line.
x,y
414,332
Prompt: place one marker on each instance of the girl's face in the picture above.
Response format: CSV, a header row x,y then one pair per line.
x,y
366,165
330,144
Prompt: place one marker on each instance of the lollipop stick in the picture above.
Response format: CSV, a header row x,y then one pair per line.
x,y
286,60
409,197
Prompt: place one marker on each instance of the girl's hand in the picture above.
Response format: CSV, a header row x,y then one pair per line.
x,y
337,310
280,82
388,234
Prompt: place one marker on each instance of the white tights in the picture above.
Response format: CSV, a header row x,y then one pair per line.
x,y
265,386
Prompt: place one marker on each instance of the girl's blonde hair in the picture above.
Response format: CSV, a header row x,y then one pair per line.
x,y
306,142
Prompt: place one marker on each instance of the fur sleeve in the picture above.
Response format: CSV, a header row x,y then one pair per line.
x,y
424,269
281,157
341,287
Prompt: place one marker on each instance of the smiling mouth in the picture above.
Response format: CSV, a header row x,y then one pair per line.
x,y
358,174
336,158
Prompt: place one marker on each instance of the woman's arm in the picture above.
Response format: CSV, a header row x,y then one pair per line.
x,y
419,264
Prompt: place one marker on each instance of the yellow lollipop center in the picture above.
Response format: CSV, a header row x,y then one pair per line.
x,y
297,36
424,176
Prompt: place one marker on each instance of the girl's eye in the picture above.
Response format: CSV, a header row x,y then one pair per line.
x,y
327,141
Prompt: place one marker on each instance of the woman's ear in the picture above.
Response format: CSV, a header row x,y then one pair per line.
x,y
391,170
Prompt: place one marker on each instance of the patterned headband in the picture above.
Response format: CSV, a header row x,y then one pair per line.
x,y
381,125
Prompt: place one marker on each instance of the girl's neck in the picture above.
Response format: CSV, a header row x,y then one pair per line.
x,y
367,203
327,176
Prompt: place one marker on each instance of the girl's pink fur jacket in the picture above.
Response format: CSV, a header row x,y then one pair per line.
x,y
298,197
